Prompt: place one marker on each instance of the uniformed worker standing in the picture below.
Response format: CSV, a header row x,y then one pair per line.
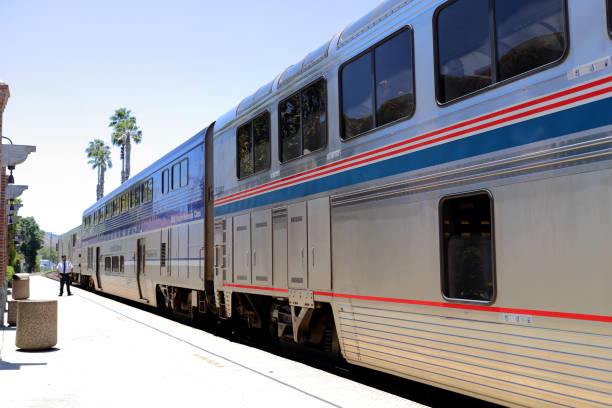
x,y
64,272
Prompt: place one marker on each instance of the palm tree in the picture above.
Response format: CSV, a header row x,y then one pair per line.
x,y
98,154
124,131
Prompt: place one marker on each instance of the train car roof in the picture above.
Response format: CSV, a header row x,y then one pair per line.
x,y
312,59
144,174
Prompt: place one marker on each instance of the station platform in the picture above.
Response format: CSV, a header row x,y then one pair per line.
x,y
113,355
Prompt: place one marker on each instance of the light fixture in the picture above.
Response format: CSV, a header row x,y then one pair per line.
x,y
12,207
11,179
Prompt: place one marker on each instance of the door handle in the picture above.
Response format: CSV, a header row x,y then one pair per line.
x,y
313,258
254,258
302,251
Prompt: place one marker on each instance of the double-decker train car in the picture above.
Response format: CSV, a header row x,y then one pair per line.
x,y
428,194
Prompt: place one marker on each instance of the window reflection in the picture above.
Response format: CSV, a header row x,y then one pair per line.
x,y
357,101
529,34
394,85
464,49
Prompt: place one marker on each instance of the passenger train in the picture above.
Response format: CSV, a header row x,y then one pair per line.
x,y
428,194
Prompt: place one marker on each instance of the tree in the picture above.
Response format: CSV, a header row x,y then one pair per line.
x,y
98,154
125,130
49,253
32,241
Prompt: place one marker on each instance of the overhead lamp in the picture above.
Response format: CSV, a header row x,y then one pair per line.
x,y
11,179
12,207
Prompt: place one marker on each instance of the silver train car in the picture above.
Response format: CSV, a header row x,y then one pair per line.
x,y
427,194
69,244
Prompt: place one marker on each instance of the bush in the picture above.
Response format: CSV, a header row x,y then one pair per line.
x,y
9,272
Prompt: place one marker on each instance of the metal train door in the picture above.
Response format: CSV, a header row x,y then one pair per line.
x,y
140,264
98,267
242,249
319,244
297,251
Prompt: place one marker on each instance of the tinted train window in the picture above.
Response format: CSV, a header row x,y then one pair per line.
x,y
176,176
378,86
134,197
115,264
253,146
107,264
528,34
184,172
125,202
303,122
146,191
117,206
165,181
121,264
467,247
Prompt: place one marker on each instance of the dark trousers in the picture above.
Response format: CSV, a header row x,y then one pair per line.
x,y
64,278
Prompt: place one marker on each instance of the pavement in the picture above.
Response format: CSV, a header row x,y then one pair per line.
x,y
113,355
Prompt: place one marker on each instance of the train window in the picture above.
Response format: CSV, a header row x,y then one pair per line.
x,y
109,209
146,191
357,97
176,176
184,172
165,181
377,87
102,213
95,217
135,197
253,146
527,35
466,225
117,206
303,122
115,264
107,264
394,79
121,264
125,202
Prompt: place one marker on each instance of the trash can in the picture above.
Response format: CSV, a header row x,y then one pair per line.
x,y
36,324
21,286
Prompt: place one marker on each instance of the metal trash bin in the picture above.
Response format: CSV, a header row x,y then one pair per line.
x,y
21,286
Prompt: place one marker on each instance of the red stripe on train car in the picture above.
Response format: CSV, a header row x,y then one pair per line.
x,y
543,313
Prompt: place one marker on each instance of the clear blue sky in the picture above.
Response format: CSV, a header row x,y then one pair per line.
x,y
177,65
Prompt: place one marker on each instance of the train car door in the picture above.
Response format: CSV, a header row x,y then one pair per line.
x,y
261,232
297,251
319,244
98,268
242,248
140,264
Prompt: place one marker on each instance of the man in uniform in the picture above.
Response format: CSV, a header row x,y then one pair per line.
x,y
64,272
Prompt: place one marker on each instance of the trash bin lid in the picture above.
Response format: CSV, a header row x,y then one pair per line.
x,y
21,276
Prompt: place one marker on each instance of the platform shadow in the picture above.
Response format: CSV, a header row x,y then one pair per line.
x,y
5,365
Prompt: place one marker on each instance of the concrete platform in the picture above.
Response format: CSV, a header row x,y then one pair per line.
x,y
110,354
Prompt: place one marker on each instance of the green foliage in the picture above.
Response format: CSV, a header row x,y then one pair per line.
x,y
10,271
11,252
32,241
98,154
43,253
124,127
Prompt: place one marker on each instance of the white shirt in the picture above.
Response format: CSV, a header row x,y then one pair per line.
x,y
60,267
